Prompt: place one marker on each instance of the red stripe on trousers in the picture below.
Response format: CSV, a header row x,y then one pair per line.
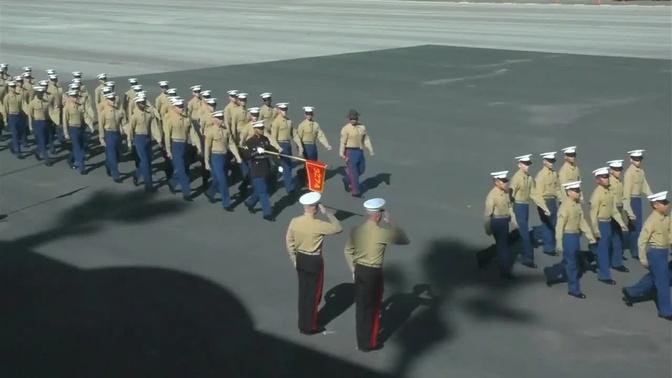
x,y
318,297
376,315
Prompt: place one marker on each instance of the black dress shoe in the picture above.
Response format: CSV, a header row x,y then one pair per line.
x,y
369,349
669,317
625,258
228,208
530,265
150,189
187,198
626,298
117,180
607,281
578,295
552,253
210,197
621,269
171,188
250,209
48,163
135,181
269,218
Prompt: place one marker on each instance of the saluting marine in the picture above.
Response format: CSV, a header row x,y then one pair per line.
x,y
498,215
654,246
571,223
602,211
548,188
218,143
354,138
304,241
364,253
522,191
635,186
282,132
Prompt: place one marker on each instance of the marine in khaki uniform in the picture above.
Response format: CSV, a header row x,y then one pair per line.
x,y
354,137
55,91
571,223
308,133
12,113
523,191
28,84
304,240
548,187
194,106
98,92
38,111
178,133
142,128
498,215
230,106
602,211
128,101
205,118
4,79
282,132
569,171
364,253
267,111
616,188
161,102
218,144
239,116
110,125
75,119
635,186
654,246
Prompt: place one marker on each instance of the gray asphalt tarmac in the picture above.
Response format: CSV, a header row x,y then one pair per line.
x,y
441,118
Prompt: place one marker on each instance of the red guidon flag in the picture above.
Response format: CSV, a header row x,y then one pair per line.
x,y
315,171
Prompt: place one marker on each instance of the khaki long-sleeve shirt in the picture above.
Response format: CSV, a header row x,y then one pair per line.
x,y
178,128
656,232
144,122
306,233
547,184
310,132
11,104
567,173
98,93
354,136
634,185
111,118
368,241
571,221
75,115
281,129
228,111
218,140
194,107
37,110
603,208
267,113
239,116
161,104
497,205
523,190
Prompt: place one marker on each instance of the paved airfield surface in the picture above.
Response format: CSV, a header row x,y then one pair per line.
x,y
103,280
